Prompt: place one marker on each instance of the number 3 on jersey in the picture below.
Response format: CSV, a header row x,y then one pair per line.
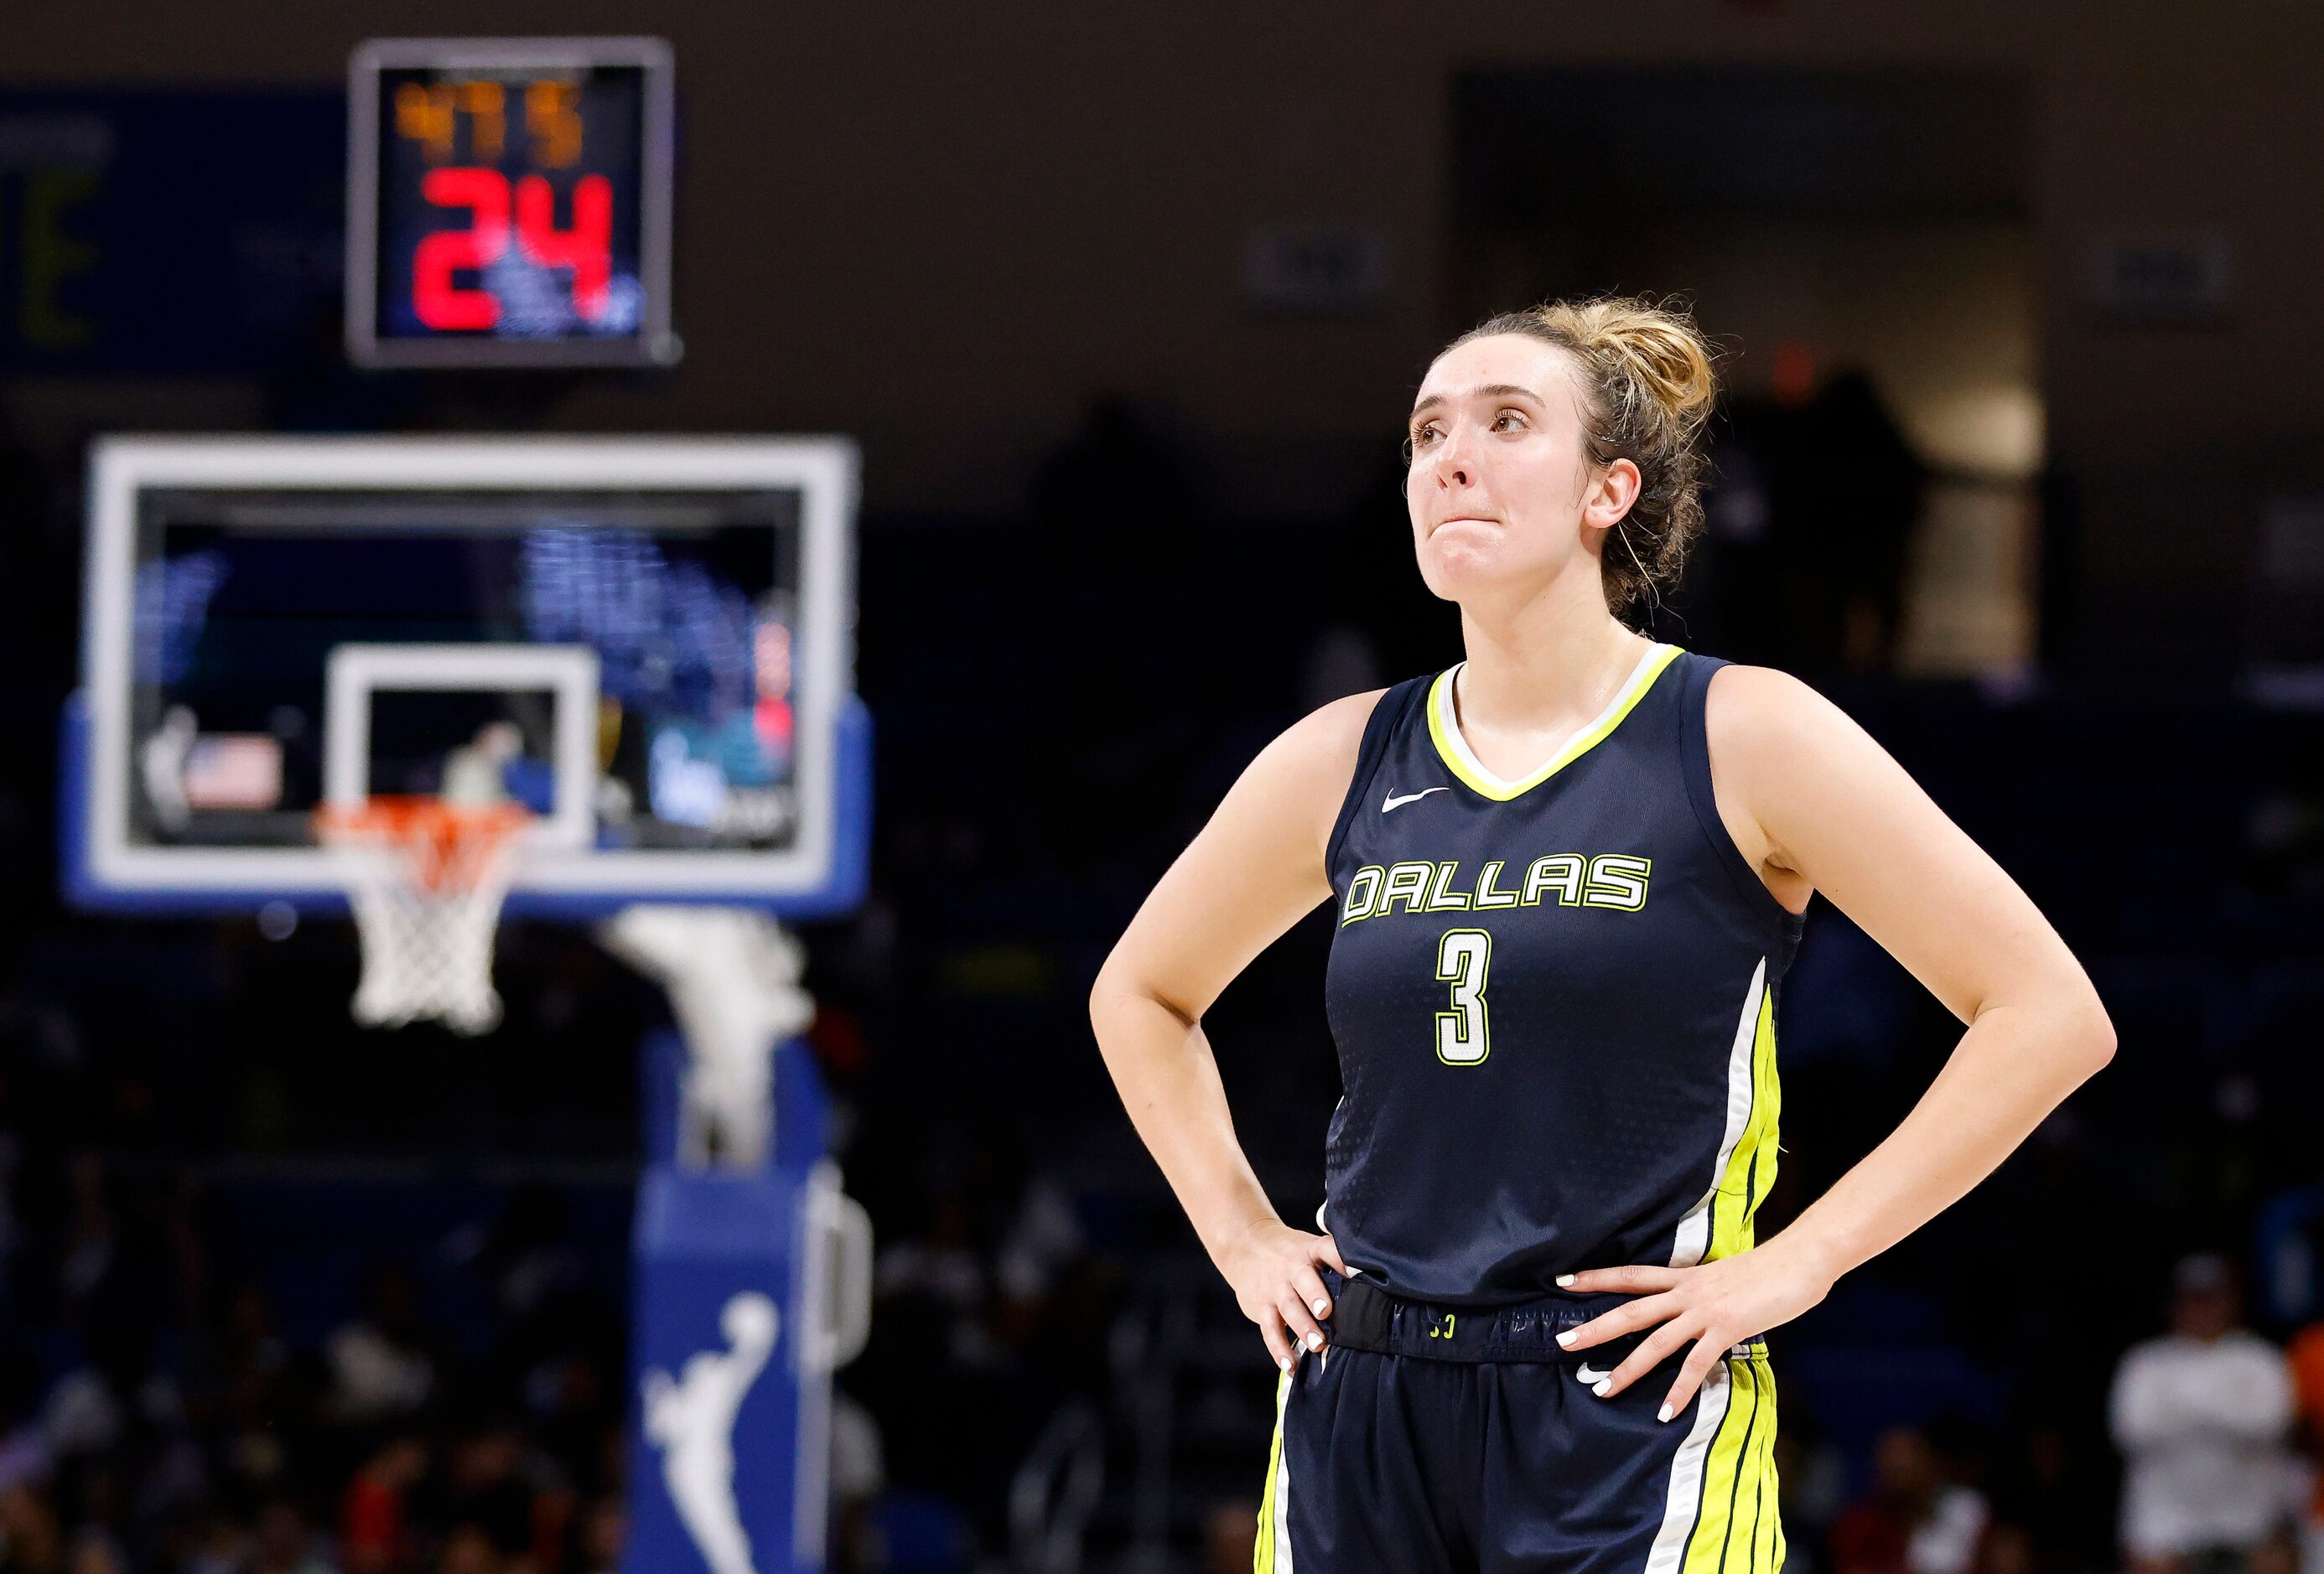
x,y
1462,957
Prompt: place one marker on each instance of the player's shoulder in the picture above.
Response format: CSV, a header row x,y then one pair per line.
x,y
1314,758
1339,723
1749,710
1757,691
1291,792
1332,734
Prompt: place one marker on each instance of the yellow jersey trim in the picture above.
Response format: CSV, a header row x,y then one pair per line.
x,y
1444,732
1738,1524
1752,1169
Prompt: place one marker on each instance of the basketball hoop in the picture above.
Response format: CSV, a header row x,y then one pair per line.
x,y
425,879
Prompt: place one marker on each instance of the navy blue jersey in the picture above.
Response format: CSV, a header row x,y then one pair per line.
x,y
1554,1001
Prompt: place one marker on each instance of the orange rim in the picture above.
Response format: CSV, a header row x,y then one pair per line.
x,y
450,844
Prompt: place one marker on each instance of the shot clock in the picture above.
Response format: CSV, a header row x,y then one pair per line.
x,y
508,202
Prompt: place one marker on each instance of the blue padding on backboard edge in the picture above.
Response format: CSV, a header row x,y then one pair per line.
x,y
841,892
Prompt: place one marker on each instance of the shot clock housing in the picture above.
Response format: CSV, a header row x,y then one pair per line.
x,y
508,202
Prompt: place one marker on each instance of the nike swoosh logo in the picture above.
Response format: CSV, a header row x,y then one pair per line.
x,y
1395,802
1590,1375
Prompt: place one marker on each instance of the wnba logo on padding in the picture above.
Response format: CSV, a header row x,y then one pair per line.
x,y
692,1420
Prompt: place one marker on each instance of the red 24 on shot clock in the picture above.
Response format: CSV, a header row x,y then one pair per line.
x,y
508,202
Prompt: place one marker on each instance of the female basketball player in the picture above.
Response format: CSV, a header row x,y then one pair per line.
x,y
1568,874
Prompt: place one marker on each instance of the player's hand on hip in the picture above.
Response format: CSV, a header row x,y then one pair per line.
x,y
1272,1268
1713,1307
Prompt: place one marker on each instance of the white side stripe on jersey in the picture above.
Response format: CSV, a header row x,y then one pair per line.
x,y
1282,1559
1669,1551
1694,1229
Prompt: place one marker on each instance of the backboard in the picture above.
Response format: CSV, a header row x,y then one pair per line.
x,y
646,642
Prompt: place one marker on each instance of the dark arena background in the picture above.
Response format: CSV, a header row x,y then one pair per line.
x,y
1088,331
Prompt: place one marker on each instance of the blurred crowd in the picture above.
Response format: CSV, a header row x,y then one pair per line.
x,y
159,1415
219,1353
2220,1439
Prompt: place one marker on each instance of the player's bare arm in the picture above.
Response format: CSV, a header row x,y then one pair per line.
x,y
1252,872
1816,805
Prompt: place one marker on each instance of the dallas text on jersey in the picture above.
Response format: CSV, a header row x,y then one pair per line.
x,y
1611,880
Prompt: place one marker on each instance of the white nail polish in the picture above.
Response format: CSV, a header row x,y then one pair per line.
x,y
1565,1281
1321,1306
1315,1341
1565,1340
1663,1413
1285,1363
1605,1387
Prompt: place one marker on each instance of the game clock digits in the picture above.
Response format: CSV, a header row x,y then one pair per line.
x,y
508,202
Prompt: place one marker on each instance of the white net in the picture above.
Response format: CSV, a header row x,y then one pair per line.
x,y
426,880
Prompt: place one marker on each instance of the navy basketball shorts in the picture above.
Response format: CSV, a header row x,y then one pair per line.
x,y
1428,1439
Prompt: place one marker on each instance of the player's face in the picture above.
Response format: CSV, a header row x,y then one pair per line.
x,y
1500,487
